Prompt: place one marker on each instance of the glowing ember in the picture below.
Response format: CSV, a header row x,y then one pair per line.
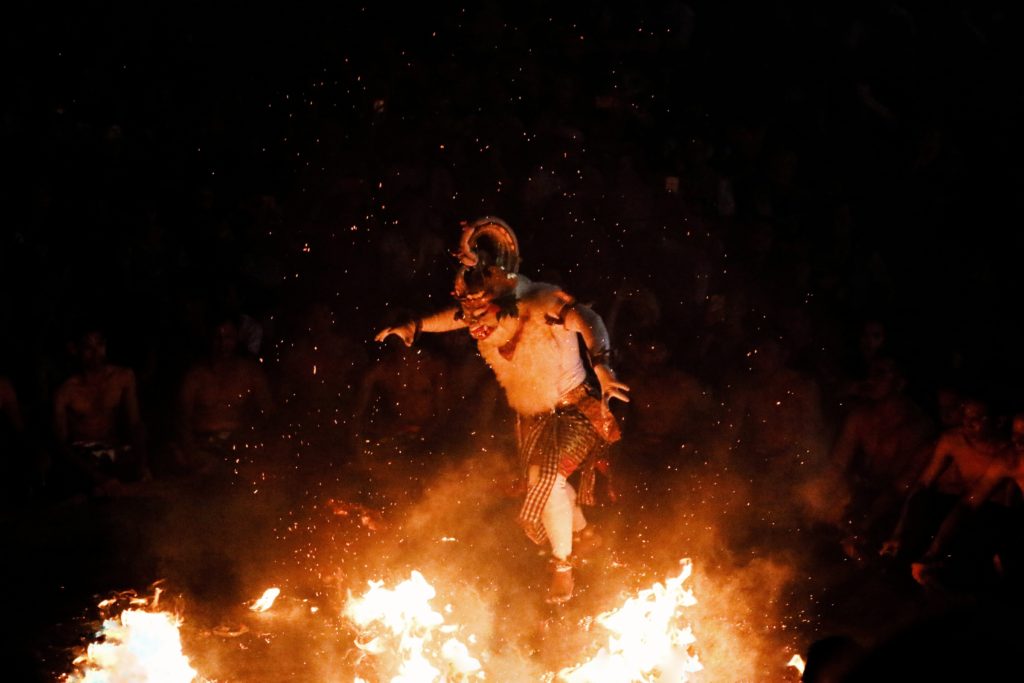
x,y
266,601
797,662
136,647
398,627
367,517
646,643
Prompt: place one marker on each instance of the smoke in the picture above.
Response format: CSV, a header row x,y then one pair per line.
x,y
449,515
461,534
744,536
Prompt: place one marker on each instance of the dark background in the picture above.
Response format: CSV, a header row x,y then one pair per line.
x,y
156,154
836,164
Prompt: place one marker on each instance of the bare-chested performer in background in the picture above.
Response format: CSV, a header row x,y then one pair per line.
x,y
776,436
321,370
222,400
960,462
884,444
99,431
399,399
999,488
529,332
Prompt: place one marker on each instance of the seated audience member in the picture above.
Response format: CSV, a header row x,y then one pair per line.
x,y
321,369
400,398
223,398
669,408
99,432
776,423
777,442
991,509
884,444
960,462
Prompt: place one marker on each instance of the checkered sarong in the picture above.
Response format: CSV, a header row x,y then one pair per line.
x,y
560,441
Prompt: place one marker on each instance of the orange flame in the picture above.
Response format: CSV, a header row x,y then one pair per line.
x,y
645,641
401,624
266,600
797,662
136,646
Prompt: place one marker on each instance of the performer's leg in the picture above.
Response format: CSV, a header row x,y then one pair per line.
x,y
559,517
562,505
579,521
585,539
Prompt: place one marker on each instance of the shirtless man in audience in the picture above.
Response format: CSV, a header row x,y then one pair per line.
x,y
222,398
882,448
99,432
999,489
401,397
775,422
961,461
321,369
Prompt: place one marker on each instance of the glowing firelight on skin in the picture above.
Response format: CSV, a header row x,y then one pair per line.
x,y
136,647
645,641
398,626
797,662
266,601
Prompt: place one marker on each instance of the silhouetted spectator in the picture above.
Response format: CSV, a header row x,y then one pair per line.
x,y
99,431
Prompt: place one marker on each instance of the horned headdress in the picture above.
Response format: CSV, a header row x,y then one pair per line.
x,y
489,264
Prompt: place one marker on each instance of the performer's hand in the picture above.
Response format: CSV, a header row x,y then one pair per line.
x,y
610,387
406,332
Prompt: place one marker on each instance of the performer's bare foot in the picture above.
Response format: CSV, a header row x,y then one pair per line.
x,y
561,581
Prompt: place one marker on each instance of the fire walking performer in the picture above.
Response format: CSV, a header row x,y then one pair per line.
x,y
528,332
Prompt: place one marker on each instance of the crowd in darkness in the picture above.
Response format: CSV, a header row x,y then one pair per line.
x,y
794,222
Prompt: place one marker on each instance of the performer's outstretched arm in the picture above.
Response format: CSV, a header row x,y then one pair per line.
x,y
442,321
588,324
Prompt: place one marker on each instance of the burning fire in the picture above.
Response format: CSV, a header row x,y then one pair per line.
x,y
137,646
797,662
645,641
266,601
402,624
403,639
